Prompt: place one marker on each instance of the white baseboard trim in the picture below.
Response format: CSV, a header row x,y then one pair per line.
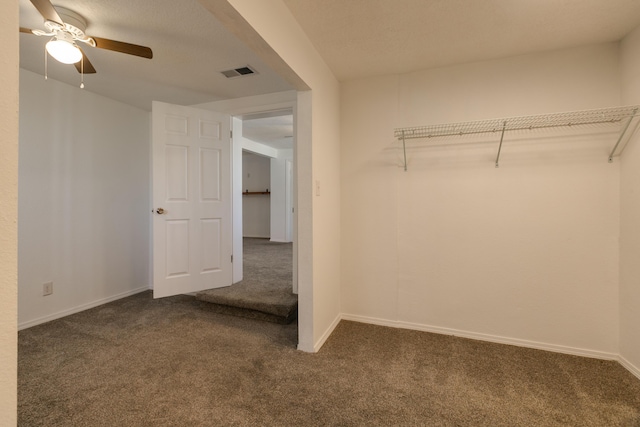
x,y
78,309
306,347
629,366
318,345
484,337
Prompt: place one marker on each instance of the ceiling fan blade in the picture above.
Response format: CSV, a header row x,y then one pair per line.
x,y
131,49
47,11
25,30
86,67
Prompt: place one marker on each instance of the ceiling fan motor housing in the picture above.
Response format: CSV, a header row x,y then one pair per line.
x,y
74,24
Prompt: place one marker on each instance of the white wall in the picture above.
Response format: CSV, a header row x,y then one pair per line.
x,y
630,213
9,212
84,207
265,215
256,208
527,253
279,196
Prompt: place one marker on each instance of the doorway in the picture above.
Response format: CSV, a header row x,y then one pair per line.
x,y
256,196
299,102
263,287
266,143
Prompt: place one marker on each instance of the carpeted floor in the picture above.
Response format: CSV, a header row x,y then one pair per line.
x,y
266,289
172,362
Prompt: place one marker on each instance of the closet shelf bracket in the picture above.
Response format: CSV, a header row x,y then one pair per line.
x,y
622,116
404,151
624,130
504,126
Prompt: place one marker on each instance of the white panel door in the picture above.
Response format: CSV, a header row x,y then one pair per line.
x,y
192,229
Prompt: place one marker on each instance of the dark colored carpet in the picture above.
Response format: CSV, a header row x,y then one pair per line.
x,y
265,292
172,362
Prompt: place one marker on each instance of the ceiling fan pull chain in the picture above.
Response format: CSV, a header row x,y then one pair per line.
x,y
82,72
46,77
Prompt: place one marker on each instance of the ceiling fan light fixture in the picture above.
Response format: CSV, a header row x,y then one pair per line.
x,y
64,51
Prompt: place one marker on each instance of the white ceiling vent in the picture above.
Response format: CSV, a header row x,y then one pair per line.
x,y
239,72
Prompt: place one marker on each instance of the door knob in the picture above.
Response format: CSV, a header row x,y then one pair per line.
x,y
160,211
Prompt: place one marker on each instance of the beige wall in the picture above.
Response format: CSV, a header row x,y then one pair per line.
x,y
256,209
8,213
525,254
630,213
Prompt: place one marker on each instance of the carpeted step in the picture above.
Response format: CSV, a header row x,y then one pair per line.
x,y
265,292
251,314
276,304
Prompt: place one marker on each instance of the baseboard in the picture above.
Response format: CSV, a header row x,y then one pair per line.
x,y
78,309
313,348
318,345
484,337
629,366
306,347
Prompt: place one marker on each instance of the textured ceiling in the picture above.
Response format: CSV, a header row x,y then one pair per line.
x,y
273,130
190,48
359,38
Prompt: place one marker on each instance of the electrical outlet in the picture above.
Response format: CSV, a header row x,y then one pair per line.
x,y
47,289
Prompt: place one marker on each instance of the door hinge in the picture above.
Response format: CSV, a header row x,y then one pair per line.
x,y
232,259
231,134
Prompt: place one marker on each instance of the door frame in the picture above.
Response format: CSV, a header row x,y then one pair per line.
x,y
289,196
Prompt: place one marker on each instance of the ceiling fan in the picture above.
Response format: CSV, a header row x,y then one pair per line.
x,y
66,27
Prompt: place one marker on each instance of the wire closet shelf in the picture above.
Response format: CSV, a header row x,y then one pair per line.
x,y
603,116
